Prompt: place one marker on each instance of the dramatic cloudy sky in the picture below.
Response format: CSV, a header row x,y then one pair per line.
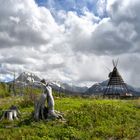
x,y
70,40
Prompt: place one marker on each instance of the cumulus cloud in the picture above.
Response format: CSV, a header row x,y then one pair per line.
x,y
101,7
23,22
65,45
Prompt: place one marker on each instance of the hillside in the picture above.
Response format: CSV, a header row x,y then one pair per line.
x,y
86,119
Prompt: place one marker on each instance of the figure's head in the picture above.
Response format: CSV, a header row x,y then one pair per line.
x,y
43,81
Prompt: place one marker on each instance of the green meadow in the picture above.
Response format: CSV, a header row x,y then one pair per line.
x,y
85,119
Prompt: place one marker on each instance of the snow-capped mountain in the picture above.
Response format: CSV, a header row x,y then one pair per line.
x,y
27,77
58,86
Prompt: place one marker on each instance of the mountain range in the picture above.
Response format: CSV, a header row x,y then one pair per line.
x,y
27,77
95,89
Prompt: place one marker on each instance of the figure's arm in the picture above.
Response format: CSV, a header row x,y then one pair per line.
x,y
50,99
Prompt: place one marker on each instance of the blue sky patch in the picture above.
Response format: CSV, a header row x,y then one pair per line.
x,y
72,5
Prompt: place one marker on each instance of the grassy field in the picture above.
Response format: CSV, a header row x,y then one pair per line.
x,y
86,119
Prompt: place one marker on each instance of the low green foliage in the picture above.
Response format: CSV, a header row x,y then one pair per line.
x,y
86,119
4,90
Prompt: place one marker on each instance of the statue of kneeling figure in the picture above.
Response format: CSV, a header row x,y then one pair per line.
x,y
42,111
